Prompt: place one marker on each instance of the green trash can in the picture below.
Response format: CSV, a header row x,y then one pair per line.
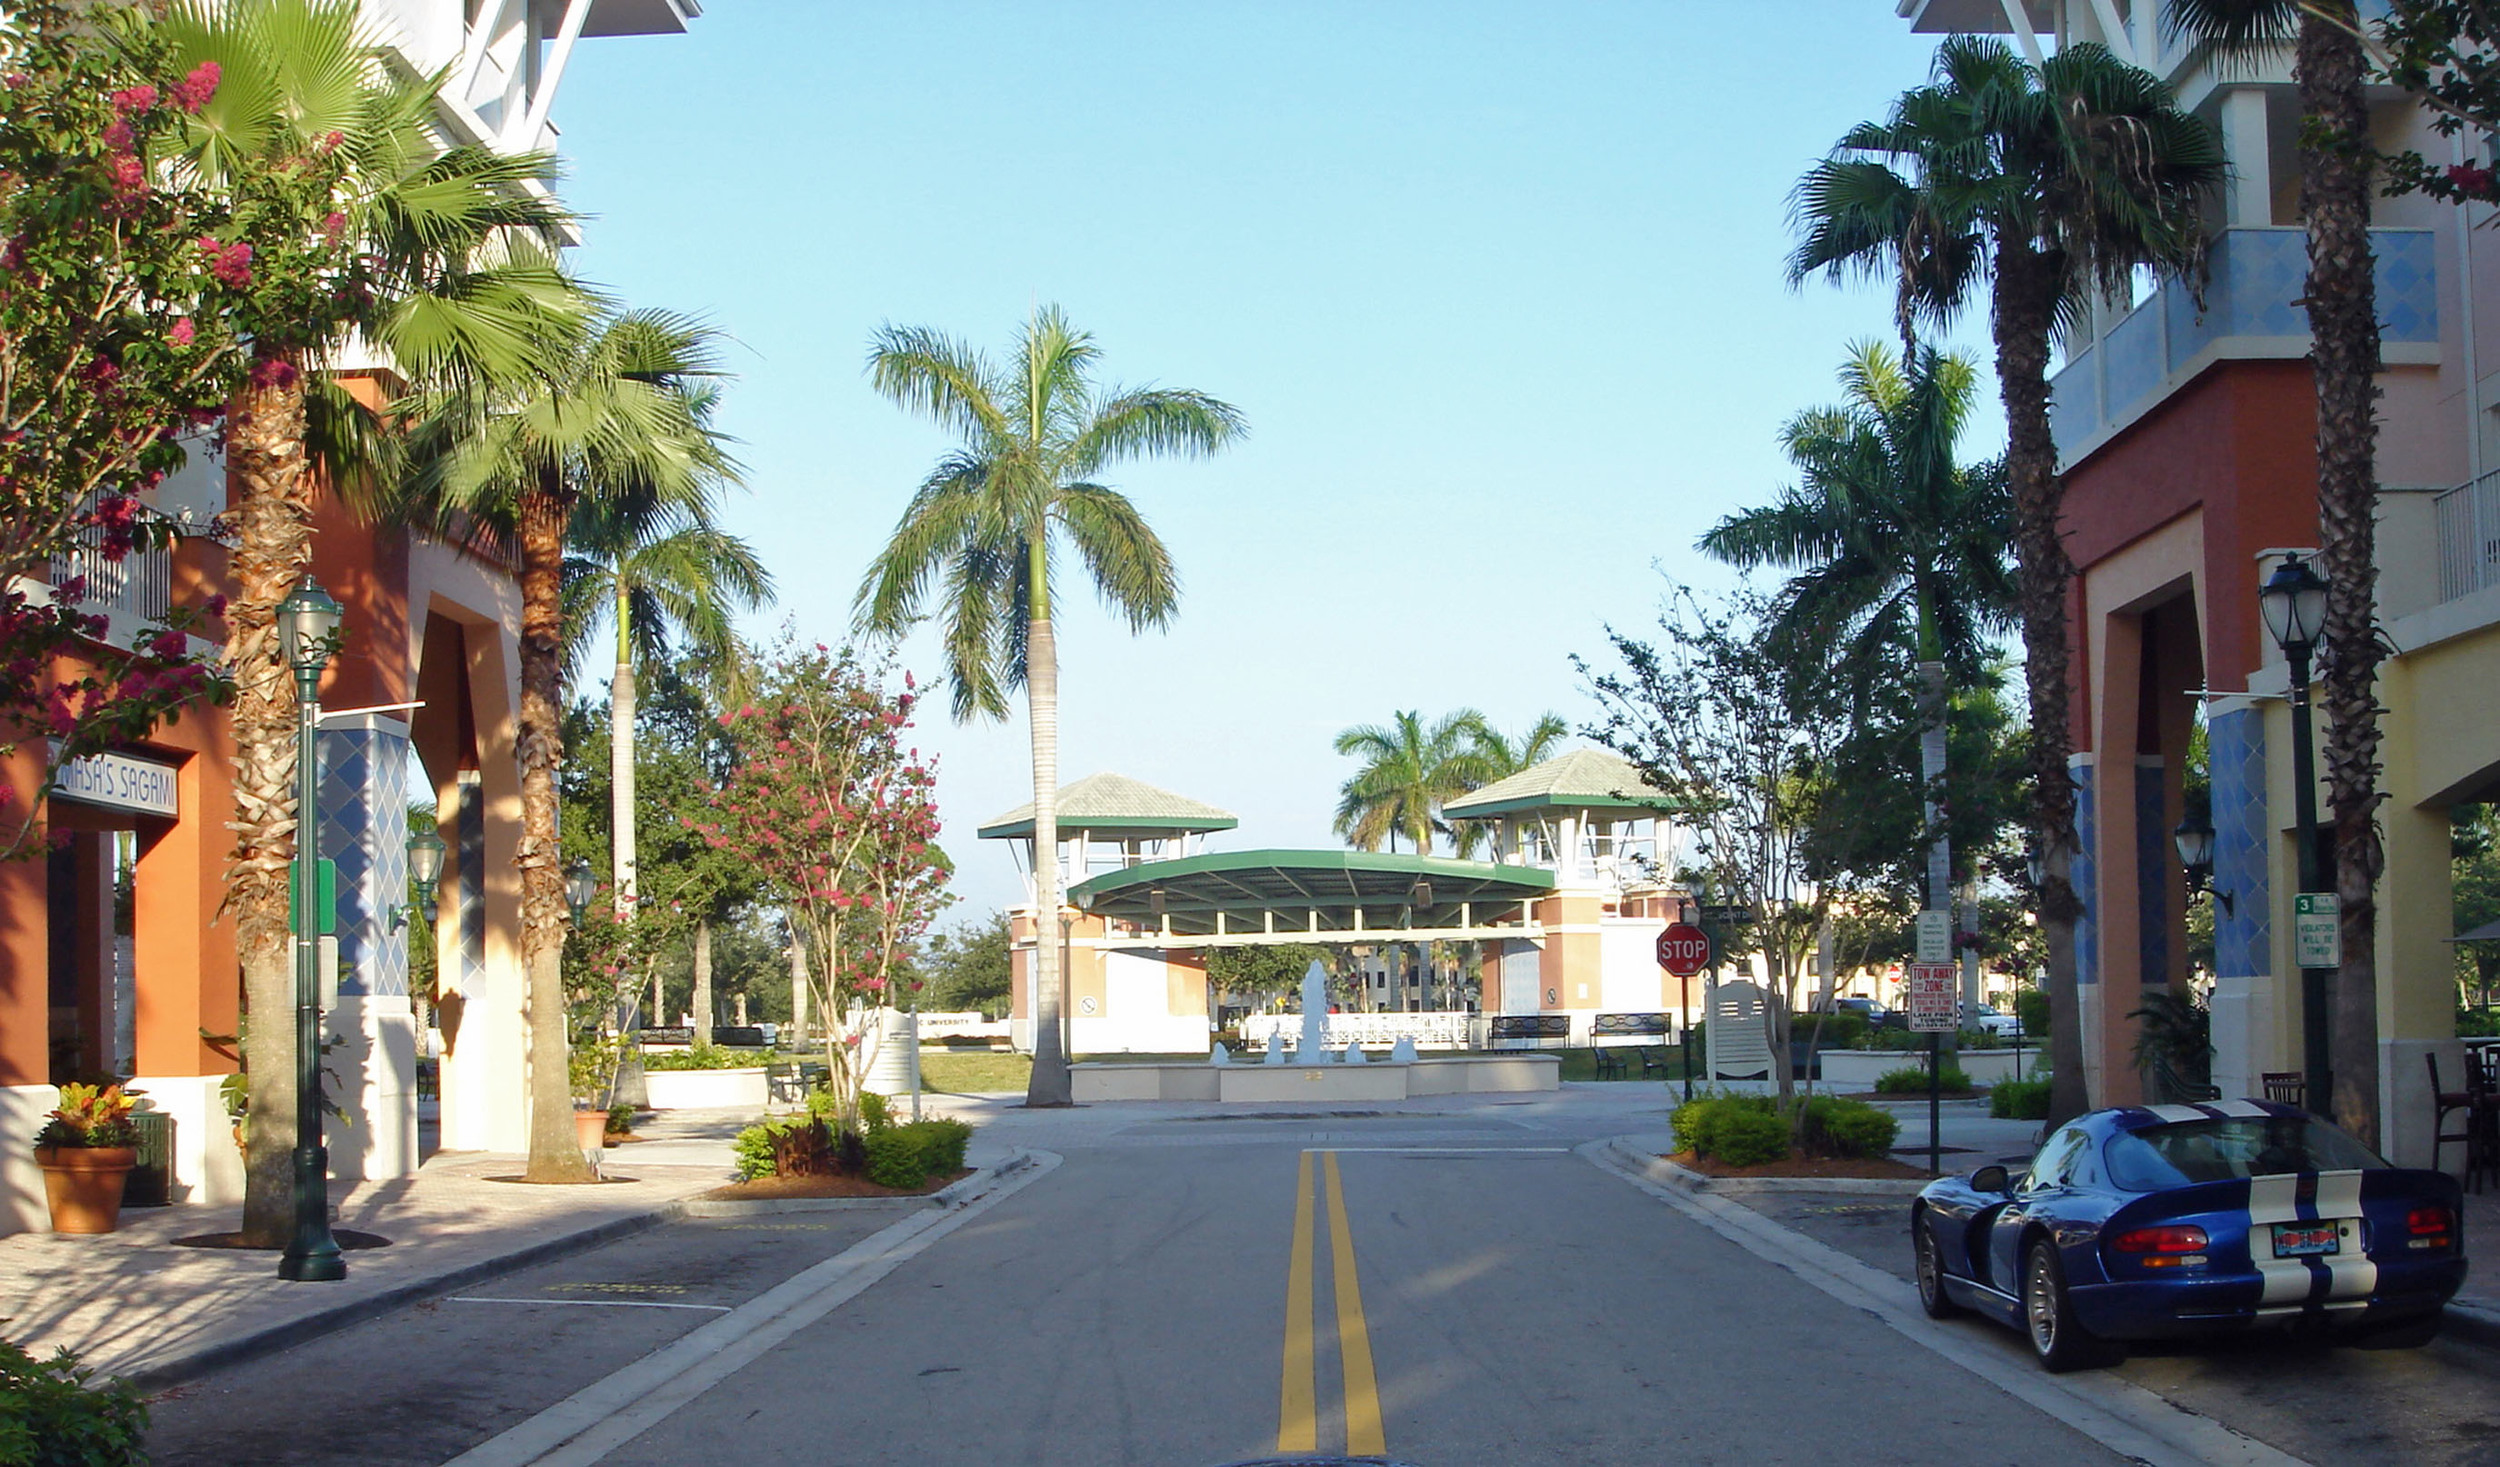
x,y
151,1181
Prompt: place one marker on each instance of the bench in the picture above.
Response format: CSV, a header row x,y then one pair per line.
x,y
1610,1061
1530,1029
1654,1061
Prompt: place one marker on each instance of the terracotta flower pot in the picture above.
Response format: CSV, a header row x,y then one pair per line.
x,y
84,1185
592,1125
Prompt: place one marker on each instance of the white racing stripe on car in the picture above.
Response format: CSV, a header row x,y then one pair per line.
x,y
2247,1110
2350,1273
2272,1200
2177,1113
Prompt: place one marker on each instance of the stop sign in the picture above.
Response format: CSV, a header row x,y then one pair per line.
x,y
1683,949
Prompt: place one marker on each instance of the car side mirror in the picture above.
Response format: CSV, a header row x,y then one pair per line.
x,y
1991,1179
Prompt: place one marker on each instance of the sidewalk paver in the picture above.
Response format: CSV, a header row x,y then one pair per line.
x,y
137,1304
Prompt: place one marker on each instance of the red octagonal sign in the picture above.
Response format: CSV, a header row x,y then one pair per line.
x,y
1683,949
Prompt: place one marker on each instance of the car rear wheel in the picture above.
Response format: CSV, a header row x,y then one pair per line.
x,y
2057,1340
1931,1294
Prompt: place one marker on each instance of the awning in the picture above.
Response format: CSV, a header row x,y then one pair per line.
x,y
1242,898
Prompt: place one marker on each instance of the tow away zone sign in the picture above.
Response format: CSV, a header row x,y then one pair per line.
x,y
1934,998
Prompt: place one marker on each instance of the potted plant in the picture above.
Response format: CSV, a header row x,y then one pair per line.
x,y
594,1079
86,1150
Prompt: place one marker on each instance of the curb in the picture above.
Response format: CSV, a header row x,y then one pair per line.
x,y
953,1194
2476,1324
1684,1179
188,1364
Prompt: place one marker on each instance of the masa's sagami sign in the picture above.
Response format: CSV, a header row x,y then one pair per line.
x,y
118,782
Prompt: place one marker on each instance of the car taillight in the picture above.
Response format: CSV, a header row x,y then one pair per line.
x,y
2430,1226
2166,1238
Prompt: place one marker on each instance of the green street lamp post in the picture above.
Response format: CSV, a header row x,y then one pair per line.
x,y
308,624
2294,603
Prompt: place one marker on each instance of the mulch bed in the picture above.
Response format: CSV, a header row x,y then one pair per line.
x,y
768,1189
1798,1166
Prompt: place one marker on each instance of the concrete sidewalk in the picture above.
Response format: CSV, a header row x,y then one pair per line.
x,y
136,1304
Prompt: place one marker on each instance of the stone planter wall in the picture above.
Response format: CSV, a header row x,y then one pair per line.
x,y
707,1089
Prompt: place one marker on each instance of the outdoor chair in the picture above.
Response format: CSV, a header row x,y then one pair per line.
x,y
2286,1087
1610,1064
781,1083
2447,1103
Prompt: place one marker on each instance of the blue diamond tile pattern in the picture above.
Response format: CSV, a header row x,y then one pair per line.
x,y
2235,745
2152,876
364,832
469,814
2086,882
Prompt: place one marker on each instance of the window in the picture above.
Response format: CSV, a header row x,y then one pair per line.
x,y
2189,1152
2056,1161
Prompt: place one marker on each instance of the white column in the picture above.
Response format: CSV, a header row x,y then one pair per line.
x,y
2251,197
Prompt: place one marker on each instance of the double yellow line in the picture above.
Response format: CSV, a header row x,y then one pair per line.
x,y
1297,1422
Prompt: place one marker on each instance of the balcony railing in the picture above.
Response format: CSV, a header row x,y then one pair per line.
x,y
129,593
2249,312
2469,536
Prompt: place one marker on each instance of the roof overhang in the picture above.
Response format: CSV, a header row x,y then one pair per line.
x,y
1339,896
1138,829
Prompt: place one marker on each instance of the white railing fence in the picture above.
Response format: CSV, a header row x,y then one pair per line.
x,y
2468,517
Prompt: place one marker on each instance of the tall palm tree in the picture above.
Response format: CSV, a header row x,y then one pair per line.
x,y
2328,67
2064,179
1894,545
443,239
1409,771
621,422
653,573
979,534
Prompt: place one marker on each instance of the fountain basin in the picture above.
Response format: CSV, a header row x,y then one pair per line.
x,y
1476,1074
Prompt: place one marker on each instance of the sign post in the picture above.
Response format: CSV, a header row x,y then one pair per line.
x,y
1684,950
1933,1002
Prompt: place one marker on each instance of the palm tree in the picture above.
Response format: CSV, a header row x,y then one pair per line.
x,y
648,571
982,526
1894,546
2064,179
1499,756
2329,67
622,423
443,241
1408,773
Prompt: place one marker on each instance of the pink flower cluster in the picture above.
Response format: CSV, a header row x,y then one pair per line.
x,y
230,263
2470,179
194,91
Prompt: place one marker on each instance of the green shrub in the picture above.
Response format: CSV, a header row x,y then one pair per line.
x,y
2031,1005
873,1114
942,1144
754,1152
1912,1080
1900,1041
1748,1138
51,1417
620,1120
895,1158
2020,1100
1840,1031
1847,1128
2477,1023
704,1057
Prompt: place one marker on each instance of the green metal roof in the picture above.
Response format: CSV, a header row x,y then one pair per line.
x,y
1584,779
1331,884
1114,804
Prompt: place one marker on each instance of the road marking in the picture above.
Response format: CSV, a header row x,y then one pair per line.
x,y
1297,1417
1363,1436
584,1427
1429,1150
593,1303
2122,1416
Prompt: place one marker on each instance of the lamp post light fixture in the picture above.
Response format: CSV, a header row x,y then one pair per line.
x,y
2195,840
425,867
580,887
308,626
2294,604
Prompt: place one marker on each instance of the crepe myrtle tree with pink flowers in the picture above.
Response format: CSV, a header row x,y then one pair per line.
x,y
115,336
838,813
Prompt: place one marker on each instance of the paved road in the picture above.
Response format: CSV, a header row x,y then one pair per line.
x,y
1448,1289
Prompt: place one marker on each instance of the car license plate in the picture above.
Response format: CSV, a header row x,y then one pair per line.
x,y
2307,1240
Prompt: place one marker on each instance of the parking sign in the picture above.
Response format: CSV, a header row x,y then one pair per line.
x,y
1934,998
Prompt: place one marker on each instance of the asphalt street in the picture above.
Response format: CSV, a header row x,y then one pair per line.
x,y
1461,1283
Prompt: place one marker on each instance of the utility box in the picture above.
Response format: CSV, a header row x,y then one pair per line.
x,y
151,1182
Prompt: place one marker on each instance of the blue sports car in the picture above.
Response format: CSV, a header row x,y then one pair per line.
x,y
2146,1222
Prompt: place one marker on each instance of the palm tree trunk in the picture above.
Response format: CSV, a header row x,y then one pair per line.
x,y
2343,322
555,1150
621,701
2026,290
703,982
1050,1084
272,491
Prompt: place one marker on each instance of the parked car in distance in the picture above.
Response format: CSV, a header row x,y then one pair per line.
x,y
2171,1221
1875,1014
1991,1020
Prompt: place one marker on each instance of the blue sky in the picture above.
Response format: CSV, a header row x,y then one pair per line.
x,y
1498,287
